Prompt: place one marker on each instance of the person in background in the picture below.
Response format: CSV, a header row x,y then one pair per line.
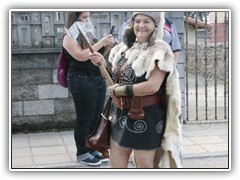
x,y
147,95
85,82
169,35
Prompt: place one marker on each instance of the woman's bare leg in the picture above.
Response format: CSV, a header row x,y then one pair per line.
x,y
144,159
118,156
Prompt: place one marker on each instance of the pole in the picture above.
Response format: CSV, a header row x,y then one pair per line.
x,y
102,68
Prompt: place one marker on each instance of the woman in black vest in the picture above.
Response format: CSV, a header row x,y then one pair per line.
x,y
85,82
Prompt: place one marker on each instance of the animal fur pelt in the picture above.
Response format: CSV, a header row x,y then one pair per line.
x,y
143,58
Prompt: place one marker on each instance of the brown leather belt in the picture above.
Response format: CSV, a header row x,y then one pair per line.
x,y
139,101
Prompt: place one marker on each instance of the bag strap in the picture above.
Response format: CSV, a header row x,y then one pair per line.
x,y
120,71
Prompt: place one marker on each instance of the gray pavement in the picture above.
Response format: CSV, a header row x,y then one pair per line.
x,y
205,145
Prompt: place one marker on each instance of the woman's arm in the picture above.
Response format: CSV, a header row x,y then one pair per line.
x,y
145,88
83,54
152,85
76,51
176,55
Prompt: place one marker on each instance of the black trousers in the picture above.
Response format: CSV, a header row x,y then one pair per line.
x,y
88,94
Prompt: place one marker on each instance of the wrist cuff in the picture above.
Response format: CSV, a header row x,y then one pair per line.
x,y
123,91
129,90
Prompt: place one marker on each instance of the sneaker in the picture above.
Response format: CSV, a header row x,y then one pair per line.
x,y
100,157
90,160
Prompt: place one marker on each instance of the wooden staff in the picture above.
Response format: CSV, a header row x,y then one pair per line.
x,y
102,68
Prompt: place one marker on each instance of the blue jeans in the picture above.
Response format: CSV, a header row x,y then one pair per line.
x,y
88,94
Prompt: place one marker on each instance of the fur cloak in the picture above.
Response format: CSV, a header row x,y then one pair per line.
x,y
143,58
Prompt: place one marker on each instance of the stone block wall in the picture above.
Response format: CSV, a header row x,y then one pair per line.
x,y
38,101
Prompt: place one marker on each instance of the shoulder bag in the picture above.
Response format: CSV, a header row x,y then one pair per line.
x,y
99,139
62,66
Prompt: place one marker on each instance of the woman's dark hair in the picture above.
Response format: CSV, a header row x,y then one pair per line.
x,y
72,18
129,37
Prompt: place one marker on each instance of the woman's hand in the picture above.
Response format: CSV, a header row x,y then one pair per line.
x,y
111,88
107,40
96,58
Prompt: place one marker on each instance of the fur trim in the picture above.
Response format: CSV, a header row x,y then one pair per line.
x,y
158,32
160,26
142,57
116,53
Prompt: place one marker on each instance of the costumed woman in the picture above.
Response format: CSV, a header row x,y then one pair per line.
x,y
146,96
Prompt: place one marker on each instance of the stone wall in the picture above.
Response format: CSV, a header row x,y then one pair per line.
x,y
210,59
38,101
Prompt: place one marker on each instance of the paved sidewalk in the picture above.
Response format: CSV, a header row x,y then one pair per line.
x,y
206,142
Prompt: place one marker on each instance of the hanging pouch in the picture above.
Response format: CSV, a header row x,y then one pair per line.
x,y
136,111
